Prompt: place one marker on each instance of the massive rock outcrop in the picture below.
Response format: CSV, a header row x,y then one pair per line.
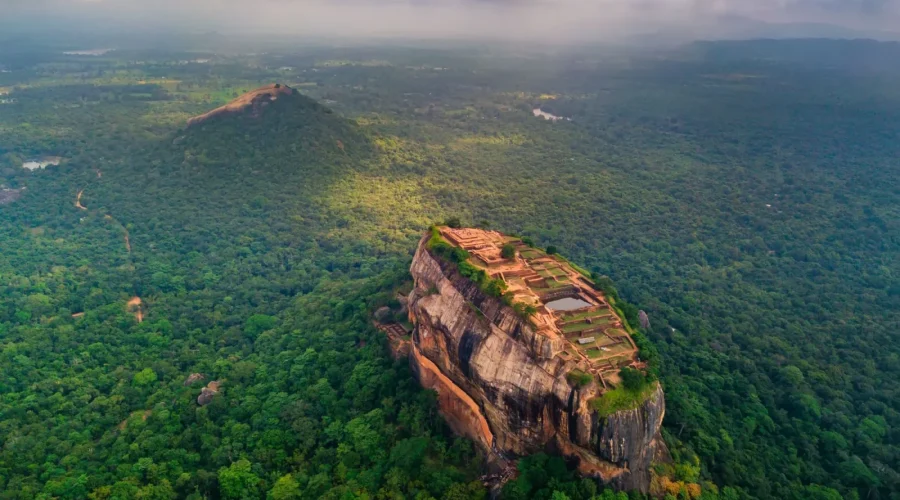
x,y
499,383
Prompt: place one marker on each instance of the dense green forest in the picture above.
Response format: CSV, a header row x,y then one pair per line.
x,y
743,194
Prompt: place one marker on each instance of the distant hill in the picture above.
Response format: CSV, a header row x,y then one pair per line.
x,y
858,54
733,27
275,127
740,28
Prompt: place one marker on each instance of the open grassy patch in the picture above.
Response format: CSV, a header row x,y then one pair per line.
x,y
621,399
582,326
556,271
557,283
578,327
584,315
604,341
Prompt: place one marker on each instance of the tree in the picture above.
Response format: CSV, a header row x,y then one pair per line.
x,y
38,304
237,481
161,491
259,323
508,251
854,471
144,377
286,488
552,250
632,379
465,491
792,375
818,492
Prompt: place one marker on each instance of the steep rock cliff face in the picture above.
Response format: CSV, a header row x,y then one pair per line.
x,y
499,383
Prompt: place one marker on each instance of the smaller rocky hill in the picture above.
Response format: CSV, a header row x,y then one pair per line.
x,y
252,102
273,129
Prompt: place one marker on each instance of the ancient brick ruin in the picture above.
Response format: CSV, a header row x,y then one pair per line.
x,y
595,337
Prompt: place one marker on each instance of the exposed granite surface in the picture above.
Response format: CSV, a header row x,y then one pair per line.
x,y
498,384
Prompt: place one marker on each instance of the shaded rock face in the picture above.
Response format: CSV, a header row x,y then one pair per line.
x,y
644,319
208,393
631,439
459,409
499,383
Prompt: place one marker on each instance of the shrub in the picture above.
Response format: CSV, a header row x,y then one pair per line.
x,y
524,310
441,248
144,377
494,287
605,285
552,250
648,352
508,251
632,380
579,378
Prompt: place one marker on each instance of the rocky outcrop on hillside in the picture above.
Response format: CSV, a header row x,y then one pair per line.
x,y
194,377
252,101
208,393
500,383
644,320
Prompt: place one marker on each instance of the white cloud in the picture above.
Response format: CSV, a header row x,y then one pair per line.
x,y
560,20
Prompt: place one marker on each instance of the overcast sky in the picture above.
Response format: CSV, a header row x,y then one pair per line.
x,y
563,20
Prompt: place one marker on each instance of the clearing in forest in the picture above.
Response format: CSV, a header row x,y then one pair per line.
x,y
135,305
78,200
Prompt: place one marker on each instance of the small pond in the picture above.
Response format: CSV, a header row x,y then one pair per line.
x,y
567,304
